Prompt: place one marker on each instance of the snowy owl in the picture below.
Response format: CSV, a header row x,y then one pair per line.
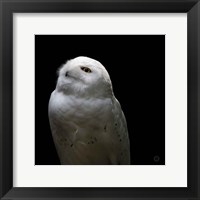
x,y
87,123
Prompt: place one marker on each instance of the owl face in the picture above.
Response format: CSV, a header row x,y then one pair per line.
x,y
83,76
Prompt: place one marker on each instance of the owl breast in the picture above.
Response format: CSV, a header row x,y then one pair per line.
x,y
82,126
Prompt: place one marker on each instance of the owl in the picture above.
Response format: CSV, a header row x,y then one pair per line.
x,y
87,123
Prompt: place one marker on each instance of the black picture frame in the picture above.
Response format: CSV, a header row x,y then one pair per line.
x,y
8,7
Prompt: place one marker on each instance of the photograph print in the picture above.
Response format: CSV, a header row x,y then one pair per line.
x,y
99,99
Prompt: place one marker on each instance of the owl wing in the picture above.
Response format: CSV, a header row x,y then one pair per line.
x,y
121,131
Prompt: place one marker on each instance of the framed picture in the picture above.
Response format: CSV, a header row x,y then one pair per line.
x,y
129,73
152,46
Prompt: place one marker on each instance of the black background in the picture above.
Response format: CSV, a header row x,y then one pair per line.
x,y
136,65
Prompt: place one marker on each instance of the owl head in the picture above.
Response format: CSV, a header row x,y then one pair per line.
x,y
84,77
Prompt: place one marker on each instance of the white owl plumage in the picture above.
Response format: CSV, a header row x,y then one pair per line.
x,y
87,123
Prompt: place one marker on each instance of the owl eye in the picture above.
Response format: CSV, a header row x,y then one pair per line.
x,y
86,69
